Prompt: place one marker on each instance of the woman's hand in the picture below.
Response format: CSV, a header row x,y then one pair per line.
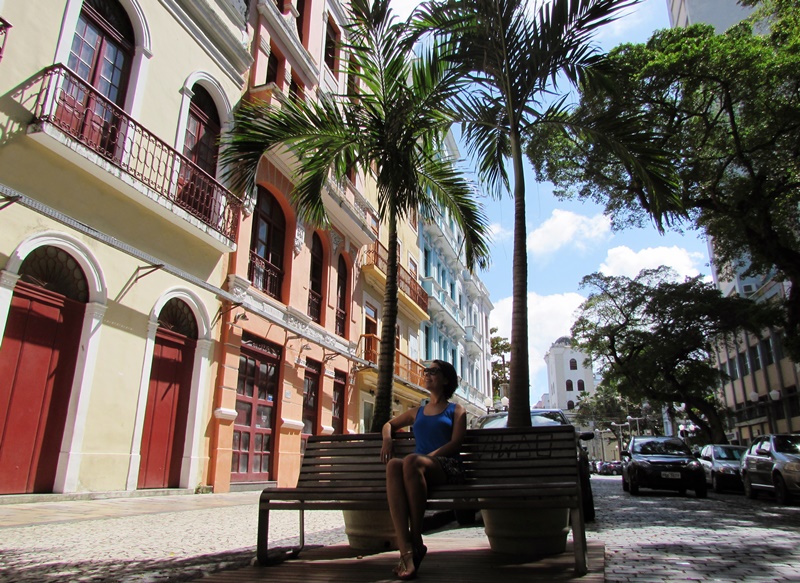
x,y
387,449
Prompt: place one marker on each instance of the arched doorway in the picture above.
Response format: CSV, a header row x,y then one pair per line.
x,y
167,409
37,368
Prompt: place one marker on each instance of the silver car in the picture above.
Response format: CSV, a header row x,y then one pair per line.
x,y
772,464
721,464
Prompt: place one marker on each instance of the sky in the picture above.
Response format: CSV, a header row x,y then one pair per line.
x,y
569,239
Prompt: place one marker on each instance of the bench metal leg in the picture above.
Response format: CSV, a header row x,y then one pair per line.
x,y
579,540
266,556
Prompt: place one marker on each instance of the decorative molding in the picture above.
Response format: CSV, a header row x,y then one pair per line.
x,y
292,424
299,237
224,414
336,240
326,430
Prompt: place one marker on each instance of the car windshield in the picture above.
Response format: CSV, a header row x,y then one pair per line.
x,y
725,452
538,419
787,443
661,447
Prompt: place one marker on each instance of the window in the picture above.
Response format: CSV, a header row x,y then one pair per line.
x,y
315,280
569,385
754,358
743,365
101,55
412,268
331,45
374,224
766,351
200,146
581,385
573,364
341,298
301,20
370,333
353,88
267,246
273,65
733,372
413,218
337,405
570,405
296,90
311,397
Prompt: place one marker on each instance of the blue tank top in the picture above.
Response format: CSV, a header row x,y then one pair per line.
x,y
432,431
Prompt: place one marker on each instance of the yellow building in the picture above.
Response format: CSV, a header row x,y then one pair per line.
x,y
114,238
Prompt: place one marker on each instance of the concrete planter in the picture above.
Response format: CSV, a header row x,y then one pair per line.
x,y
527,532
370,530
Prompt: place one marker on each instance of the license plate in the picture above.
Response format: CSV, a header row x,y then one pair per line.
x,y
671,475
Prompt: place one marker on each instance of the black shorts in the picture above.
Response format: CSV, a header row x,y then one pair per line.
x,y
453,469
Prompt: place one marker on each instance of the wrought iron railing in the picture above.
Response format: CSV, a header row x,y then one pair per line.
x,y
377,255
314,306
4,28
405,367
341,321
76,108
265,276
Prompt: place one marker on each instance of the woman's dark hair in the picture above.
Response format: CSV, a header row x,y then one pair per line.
x,y
450,377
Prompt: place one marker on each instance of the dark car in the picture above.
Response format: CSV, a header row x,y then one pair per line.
x,y
721,466
543,417
661,463
772,464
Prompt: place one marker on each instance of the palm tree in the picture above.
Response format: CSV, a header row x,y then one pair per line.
x,y
393,130
515,57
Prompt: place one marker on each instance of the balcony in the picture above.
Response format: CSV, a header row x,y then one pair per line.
x,y
350,211
444,310
412,296
180,189
474,341
315,306
405,367
4,28
265,276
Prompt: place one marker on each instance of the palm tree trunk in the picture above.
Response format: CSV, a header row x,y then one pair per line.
x,y
519,391
383,397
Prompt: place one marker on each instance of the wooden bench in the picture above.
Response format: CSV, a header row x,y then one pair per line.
x,y
534,467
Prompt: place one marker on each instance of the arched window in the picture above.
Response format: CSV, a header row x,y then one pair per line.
x,y
100,56
341,298
267,245
581,385
315,280
200,147
573,364
569,386
570,405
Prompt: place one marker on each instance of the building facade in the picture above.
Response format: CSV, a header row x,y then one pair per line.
x,y
459,308
114,239
721,14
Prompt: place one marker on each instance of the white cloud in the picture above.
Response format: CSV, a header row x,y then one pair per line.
x,y
627,262
568,229
549,318
403,8
499,233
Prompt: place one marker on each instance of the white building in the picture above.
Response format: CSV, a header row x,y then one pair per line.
x,y
721,14
567,376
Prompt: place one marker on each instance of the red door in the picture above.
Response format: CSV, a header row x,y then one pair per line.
x,y
164,431
37,367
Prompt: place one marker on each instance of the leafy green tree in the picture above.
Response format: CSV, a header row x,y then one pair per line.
x,y
514,57
653,338
727,109
500,347
392,129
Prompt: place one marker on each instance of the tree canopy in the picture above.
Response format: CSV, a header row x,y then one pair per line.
x,y
726,110
654,338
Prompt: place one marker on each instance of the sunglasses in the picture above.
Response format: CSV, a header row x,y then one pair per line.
x,y
431,371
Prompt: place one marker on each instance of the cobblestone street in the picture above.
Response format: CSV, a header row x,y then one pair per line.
x,y
657,536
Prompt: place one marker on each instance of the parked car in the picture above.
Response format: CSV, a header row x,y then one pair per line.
x,y
612,468
721,465
772,464
543,417
661,463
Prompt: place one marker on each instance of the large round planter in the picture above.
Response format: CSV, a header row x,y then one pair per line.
x,y
370,530
527,532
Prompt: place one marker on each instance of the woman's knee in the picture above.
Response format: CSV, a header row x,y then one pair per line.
x,y
413,464
394,468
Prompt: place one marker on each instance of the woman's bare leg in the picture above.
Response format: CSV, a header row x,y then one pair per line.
x,y
420,472
398,503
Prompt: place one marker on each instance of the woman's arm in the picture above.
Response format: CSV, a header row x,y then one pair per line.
x,y
405,419
453,446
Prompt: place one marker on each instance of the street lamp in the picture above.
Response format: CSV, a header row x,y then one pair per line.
x,y
599,433
637,419
620,425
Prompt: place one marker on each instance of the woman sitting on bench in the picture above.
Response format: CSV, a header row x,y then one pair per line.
x,y
439,427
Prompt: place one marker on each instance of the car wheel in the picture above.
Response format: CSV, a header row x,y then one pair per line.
x,y
715,484
781,493
634,485
588,502
748,488
701,491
